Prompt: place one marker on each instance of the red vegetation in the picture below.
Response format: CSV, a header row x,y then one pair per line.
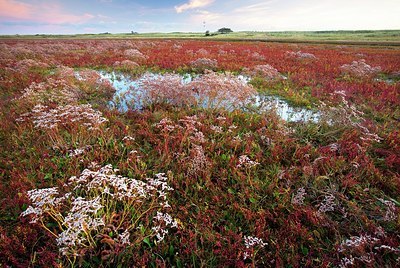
x,y
250,188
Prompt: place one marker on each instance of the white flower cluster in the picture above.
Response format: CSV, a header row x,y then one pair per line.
x,y
126,64
122,188
265,71
128,139
257,56
78,151
166,125
346,261
213,90
198,137
190,125
80,221
300,55
53,90
328,204
245,162
216,129
298,198
83,213
347,114
135,54
167,88
252,241
198,161
202,52
124,237
160,185
334,147
162,222
390,213
386,247
25,65
204,63
42,200
210,90
356,246
357,241
47,118
360,69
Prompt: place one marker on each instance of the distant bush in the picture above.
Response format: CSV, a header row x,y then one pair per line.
x,y
224,30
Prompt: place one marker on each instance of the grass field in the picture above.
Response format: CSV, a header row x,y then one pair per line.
x,y
384,36
158,151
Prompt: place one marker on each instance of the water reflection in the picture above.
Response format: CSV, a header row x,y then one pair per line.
x,y
129,95
284,110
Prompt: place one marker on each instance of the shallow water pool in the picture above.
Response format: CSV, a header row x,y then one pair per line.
x,y
129,95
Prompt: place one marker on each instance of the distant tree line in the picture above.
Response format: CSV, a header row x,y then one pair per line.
x,y
223,30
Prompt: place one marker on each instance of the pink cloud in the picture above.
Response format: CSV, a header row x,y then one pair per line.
x,y
14,10
43,13
192,4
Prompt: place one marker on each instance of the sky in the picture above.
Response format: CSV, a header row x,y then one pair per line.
x,y
121,16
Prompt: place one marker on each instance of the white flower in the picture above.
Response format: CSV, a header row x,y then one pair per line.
x,y
390,213
246,255
76,152
43,200
124,238
244,161
252,241
128,138
47,118
357,241
298,199
346,262
216,129
37,213
80,225
163,221
328,204
107,191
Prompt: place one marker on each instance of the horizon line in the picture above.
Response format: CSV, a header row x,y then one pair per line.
x,y
198,32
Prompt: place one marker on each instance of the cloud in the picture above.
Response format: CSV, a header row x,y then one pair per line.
x,y
274,15
192,4
209,17
104,17
13,10
256,8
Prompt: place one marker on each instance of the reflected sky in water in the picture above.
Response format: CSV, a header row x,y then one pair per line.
x,y
129,92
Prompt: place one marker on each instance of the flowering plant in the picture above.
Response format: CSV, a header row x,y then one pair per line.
x,y
102,213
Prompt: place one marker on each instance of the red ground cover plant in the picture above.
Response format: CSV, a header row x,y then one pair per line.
x,y
249,189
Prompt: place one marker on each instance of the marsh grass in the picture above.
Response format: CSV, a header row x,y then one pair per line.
x,y
250,189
